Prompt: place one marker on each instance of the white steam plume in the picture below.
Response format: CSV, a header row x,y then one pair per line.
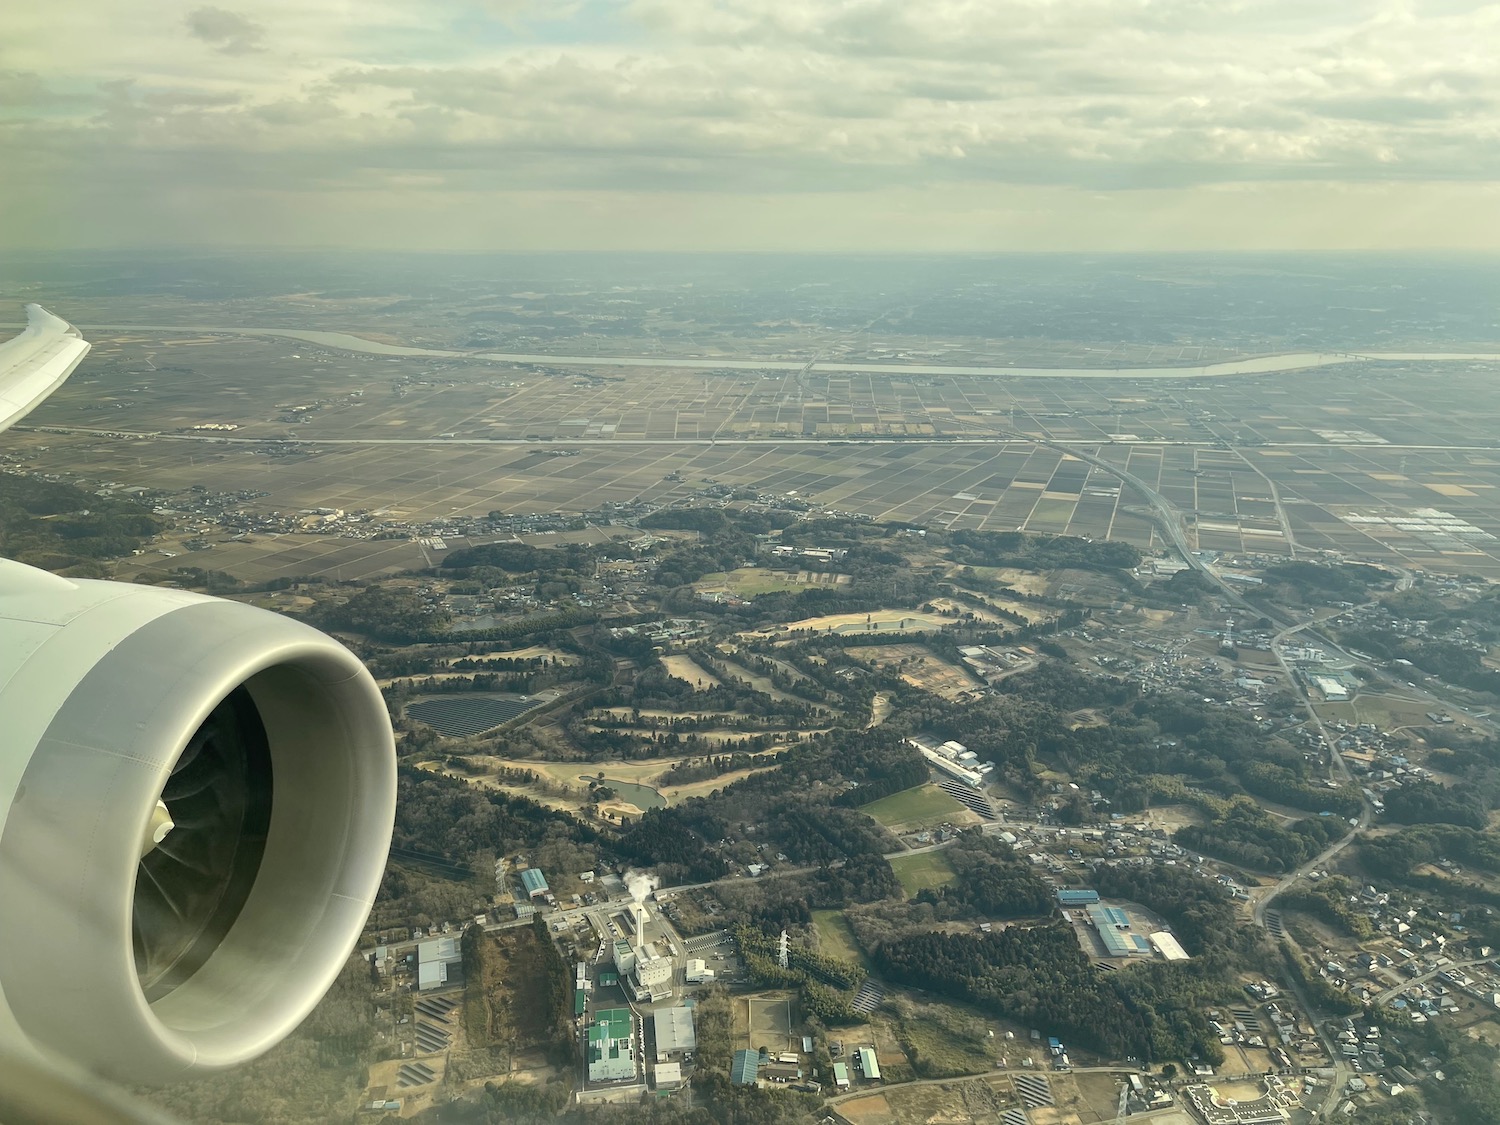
x,y
639,884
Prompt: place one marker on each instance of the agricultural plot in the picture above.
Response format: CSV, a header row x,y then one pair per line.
x,y
1380,460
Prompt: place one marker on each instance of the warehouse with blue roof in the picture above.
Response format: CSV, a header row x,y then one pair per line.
x,y
745,1067
1073,897
1113,925
534,882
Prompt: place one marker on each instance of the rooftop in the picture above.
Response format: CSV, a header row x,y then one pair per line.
x,y
674,1030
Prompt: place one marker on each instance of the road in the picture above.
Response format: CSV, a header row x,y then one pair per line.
x,y
1390,994
1336,763
586,443
784,871
1170,521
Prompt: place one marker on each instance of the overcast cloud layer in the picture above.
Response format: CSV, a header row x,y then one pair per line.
x,y
777,124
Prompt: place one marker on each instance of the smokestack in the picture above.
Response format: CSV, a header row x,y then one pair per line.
x,y
640,927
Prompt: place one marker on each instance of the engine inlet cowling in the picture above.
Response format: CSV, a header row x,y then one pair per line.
x,y
194,831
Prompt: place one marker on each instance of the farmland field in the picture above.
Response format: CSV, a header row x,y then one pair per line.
x,y
1379,459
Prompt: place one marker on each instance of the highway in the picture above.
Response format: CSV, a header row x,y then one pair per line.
x,y
220,438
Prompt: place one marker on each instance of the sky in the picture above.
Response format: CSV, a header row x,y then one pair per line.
x,y
821,125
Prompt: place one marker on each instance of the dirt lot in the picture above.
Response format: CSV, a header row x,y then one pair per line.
x,y
765,1019
919,667
1021,581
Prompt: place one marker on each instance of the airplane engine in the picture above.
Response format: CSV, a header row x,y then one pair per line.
x,y
196,801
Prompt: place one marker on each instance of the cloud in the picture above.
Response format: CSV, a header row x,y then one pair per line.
x,y
227,32
781,98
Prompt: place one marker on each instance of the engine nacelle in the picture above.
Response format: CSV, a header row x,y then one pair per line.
x,y
196,801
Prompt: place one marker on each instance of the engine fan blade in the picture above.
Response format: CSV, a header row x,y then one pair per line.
x,y
192,885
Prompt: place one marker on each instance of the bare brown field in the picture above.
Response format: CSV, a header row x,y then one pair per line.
x,y
867,1109
919,667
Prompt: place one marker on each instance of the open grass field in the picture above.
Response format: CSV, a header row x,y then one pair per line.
x,y
947,1041
643,772
880,621
918,872
952,1103
760,682
1391,712
835,938
752,581
534,652
510,998
685,668
1022,581
918,807
867,1109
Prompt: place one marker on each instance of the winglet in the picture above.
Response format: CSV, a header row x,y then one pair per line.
x,y
35,363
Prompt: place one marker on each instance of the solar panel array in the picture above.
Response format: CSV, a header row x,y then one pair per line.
x,y
460,716
1034,1089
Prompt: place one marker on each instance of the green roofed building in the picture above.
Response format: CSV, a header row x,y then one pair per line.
x,y
534,882
744,1068
611,1043
580,1001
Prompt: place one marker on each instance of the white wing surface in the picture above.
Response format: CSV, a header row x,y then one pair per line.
x,y
35,363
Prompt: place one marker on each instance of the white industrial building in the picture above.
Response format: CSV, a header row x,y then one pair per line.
x,y
611,1046
642,964
697,971
439,963
674,1032
1333,690
946,759
1168,946
653,975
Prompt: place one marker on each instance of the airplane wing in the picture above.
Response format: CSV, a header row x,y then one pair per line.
x,y
35,363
